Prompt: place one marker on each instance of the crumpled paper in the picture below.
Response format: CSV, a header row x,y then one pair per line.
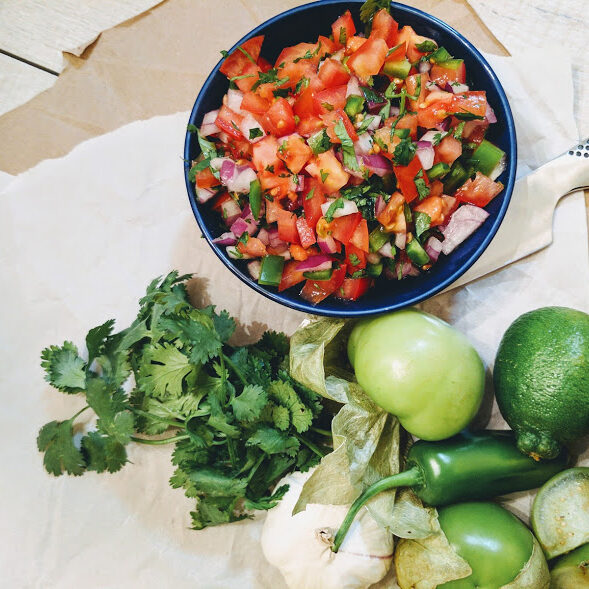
x,y
81,238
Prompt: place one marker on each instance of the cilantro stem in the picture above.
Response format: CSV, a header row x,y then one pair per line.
x,y
79,413
320,431
160,442
255,467
233,367
170,422
310,445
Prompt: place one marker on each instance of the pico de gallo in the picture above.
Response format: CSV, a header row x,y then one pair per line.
x,y
350,159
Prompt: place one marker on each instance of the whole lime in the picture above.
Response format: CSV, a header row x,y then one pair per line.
x,y
541,379
420,369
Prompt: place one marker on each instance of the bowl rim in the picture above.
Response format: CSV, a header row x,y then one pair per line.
x,y
302,305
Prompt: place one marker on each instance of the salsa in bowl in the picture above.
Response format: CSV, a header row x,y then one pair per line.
x,y
348,170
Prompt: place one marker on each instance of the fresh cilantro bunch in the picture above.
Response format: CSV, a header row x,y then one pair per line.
x,y
238,421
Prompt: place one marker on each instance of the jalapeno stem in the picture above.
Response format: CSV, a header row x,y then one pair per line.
x,y
408,478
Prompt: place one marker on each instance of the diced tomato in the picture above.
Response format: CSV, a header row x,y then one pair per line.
x,y
254,103
315,291
279,120
474,102
444,75
294,152
412,39
240,148
327,46
433,206
330,99
304,106
266,91
296,72
265,154
229,121
330,121
382,137
306,233
235,63
436,188
309,126
355,258
448,150
450,204
253,247
392,218
369,58
436,111
287,226
277,184
360,236
411,84
264,64
342,29
290,275
406,176
298,252
205,179
384,26
398,54
327,169
273,208
480,191
354,43
475,129
343,227
409,121
333,73
312,206
298,52
353,288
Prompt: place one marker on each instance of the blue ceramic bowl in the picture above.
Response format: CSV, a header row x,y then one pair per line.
x,y
306,23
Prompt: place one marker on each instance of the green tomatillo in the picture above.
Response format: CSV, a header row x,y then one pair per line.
x,y
420,369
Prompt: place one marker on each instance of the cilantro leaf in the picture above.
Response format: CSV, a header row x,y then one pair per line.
x,y
422,222
265,503
338,203
404,152
223,323
272,441
249,404
61,455
64,368
255,132
103,453
281,417
349,154
467,116
96,338
371,7
422,187
426,46
207,148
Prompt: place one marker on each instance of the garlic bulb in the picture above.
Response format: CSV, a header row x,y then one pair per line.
x,y
300,545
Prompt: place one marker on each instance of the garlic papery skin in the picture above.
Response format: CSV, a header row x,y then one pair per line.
x,y
300,545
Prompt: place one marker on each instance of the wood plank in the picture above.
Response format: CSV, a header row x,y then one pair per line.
x,y
39,30
19,82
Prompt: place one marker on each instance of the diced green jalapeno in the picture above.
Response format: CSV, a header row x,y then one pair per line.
x,y
437,171
397,69
416,253
354,105
319,274
440,55
488,157
377,238
374,270
271,271
255,198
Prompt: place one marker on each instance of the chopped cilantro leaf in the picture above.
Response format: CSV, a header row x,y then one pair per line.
x,y
327,106
256,132
467,116
310,195
349,154
459,129
426,46
422,187
404,152
191,128
371,7
323,175
343,35
338,203
422,222
354,259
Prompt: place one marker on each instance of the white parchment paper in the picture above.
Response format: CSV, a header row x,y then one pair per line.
x,y
81,238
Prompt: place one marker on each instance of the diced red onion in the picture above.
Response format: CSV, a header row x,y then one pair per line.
x,y
377,164
234,98
456,88
374,107
363,145
230,211
263,236
203,194
242,179
301,183
227,170
444,125
379,206
498,169
293,205
373,258
425,153
395,110
408,269
433,247
348,208
386,250
375,123
327,244
224,137
463,223
235,254
275,241
284,253
248,123
239,227
255,269
225,239
424,67
320,262
400,240
431,86
353,87
490,114
210,117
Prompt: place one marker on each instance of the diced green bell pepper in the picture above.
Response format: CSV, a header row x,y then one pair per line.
x,y
319,274
451,64
255,198
397,69
437,171
354,105
374,270
440,55
416,253
488,157
377,238
271,271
